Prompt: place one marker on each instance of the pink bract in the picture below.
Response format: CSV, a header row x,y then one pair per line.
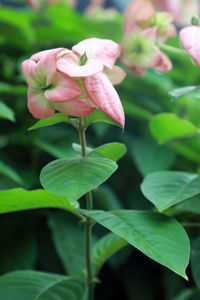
x,y
100,53
190,39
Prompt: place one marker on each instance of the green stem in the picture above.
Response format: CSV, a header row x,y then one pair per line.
x,y
172,49
89,222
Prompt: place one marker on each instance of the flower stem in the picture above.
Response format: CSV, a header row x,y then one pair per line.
x,y
89,222
172,49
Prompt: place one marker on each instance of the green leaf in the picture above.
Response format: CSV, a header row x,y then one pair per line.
x,y
150,157
167,126
19,199
179,93
6,112
76,176
10,173
98,116
105,248
195,259
186,295
113,151
151,233
57,118
32,285
191,205
166,188
68,237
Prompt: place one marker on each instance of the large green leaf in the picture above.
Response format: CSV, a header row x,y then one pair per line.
x,y
68,236
76,176
112,151
191,205
187,295
19,199
150,157
195,259
32,285
158,236
6,112
98,116
10,173
167,126
166,188
57,118
105,248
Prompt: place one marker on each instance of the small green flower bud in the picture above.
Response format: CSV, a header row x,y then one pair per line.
x,y
195,20
83,59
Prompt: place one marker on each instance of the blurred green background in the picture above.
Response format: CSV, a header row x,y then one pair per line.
x,y
35,239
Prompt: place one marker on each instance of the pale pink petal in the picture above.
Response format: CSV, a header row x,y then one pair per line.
x,y
102,93
103,51
190,39
37,56
28,69
69,64
34,4
170,31
138,11
137,70
151,32
189,8
173,6
164,65
116,75
75,108
47,65
38,106
63,89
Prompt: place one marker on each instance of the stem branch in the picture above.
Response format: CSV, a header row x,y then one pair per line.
x,y
172,49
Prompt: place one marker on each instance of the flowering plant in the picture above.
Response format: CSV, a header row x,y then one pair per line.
x,y
76,87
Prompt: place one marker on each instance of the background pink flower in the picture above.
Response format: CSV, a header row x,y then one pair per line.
x,y
190,39
144,30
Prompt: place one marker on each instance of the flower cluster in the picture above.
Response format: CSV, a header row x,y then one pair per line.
x,y
144,31
76,81
182,10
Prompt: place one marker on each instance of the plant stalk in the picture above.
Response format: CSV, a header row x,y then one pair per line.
x,y
172,49
89,222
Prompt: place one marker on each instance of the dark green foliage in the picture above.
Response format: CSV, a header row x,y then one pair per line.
x,y
36,239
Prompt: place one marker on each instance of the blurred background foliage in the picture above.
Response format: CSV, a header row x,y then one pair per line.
x,y
45,239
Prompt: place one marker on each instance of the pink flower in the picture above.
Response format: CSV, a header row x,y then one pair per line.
x,y
144,30
143,13
139,51
38,4
190,39
75,81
